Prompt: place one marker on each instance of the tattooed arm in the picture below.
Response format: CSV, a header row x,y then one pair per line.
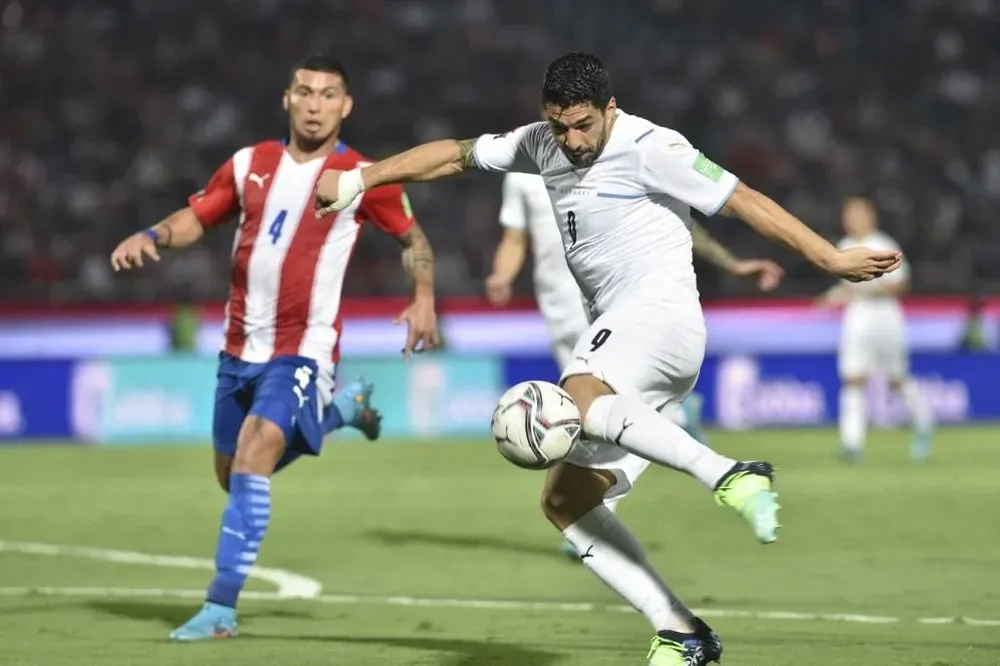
x,y
420,318
512,151
418,260
430,161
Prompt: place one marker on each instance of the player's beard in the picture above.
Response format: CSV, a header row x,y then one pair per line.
x,y
311,143
586,159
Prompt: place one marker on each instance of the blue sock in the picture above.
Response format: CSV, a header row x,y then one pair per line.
x,y
244,523
332,419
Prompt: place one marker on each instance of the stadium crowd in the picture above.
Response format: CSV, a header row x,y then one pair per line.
x,y
113,111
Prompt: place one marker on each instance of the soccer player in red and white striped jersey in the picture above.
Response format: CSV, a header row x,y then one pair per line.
x,y
275,399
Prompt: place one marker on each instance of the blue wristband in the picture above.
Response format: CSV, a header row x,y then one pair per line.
x,y
152,234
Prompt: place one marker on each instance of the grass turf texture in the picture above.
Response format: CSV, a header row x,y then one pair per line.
x,y
453,520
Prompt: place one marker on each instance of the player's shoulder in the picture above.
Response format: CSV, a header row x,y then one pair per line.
x,y
639,132
346,157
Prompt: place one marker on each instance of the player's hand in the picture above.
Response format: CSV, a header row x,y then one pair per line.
x,y
130,251
767,274
336,189
498,290
421,327
861,264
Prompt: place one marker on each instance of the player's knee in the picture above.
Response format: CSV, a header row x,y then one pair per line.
x,y
584,389
259,447
572,492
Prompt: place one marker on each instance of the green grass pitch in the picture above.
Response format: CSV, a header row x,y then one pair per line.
x,y
396,529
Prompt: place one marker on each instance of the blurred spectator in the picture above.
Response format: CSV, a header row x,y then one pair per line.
x,y
973,335
113,111
184,326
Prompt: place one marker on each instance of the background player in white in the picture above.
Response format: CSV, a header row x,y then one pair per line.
x,y
873,337
622,189
527,218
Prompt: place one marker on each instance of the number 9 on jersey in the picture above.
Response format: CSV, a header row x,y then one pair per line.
x,y
536,424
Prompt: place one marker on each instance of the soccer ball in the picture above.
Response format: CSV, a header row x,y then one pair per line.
x,y
536,424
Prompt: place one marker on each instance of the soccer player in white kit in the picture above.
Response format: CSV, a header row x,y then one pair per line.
x,y
526,216
873,337
622,189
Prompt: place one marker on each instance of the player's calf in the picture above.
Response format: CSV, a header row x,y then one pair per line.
x,y
920,416
853,420
244,524
573,501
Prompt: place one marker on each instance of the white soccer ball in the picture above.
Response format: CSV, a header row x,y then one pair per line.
x,y
536,424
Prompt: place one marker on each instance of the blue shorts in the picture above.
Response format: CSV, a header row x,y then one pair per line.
x,y
282,391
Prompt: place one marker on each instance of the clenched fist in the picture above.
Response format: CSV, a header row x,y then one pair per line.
x,y
335,190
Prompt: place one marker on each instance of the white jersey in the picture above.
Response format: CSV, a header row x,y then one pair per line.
x,y
864,312
625,221
527,207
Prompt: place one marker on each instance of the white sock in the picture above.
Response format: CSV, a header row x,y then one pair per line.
x,y
920,414
612,553
853,420
640,429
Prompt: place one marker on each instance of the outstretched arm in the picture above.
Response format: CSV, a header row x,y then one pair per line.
x,y
672,166
429,161
213,205
179,229
771,220
335,190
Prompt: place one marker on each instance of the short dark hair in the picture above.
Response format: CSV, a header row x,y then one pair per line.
x,y
576,78
320,62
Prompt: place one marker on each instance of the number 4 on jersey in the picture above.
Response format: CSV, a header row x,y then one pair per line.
x,y
274,231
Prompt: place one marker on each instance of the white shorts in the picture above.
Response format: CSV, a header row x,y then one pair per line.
x,y
868,351
647,349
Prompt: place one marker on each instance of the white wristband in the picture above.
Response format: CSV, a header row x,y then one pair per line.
x,y
349,187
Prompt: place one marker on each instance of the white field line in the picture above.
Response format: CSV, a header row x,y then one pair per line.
x,y
290,585
295,586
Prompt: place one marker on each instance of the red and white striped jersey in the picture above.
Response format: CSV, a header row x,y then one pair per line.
x,y
288,266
